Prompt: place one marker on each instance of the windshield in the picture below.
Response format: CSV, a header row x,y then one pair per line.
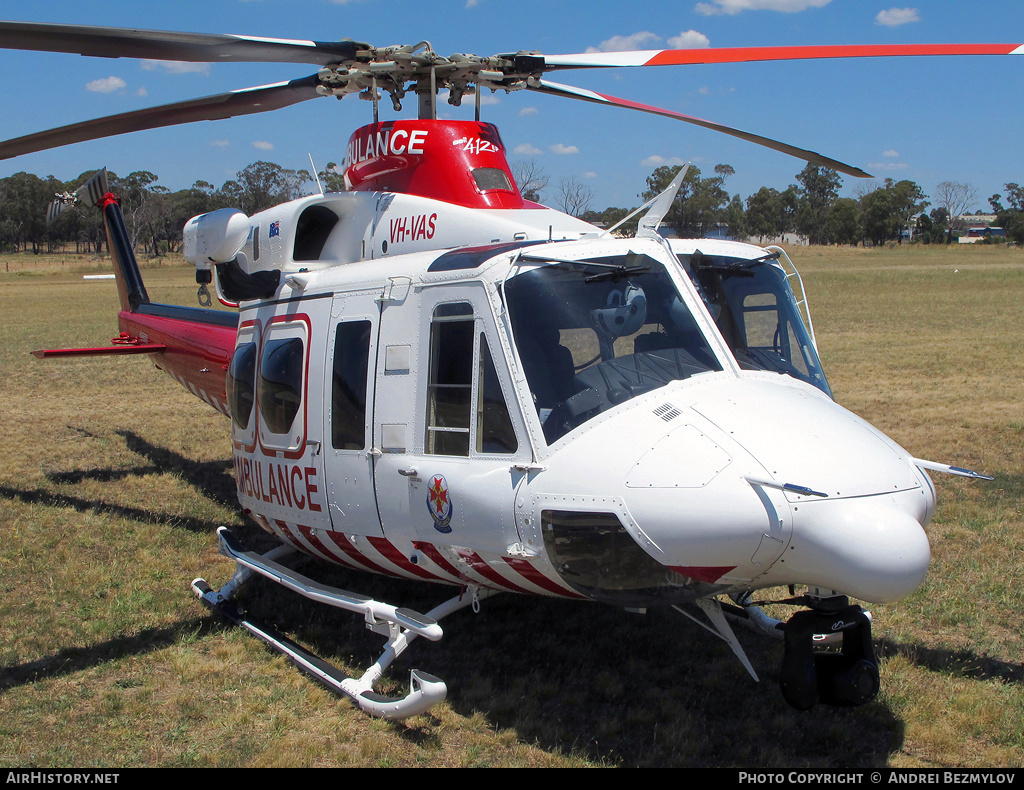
x,y
757,314
592,334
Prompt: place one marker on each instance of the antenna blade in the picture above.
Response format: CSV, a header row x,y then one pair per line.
x,y
685,57
113,42
209,108
567,91
651,221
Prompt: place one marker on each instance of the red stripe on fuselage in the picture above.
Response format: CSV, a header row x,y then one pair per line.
x,y
531,574
389,552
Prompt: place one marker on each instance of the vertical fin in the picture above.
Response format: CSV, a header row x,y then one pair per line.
x,y
96,192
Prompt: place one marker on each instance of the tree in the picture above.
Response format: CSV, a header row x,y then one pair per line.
x,y
843,224
23,201
818,192
574,198
611,217
700,203
531,179
1011,219
331,178
888,210
908,200
876,216
956,199
765,215
736,217
262,185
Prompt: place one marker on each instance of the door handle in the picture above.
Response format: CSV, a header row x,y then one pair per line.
x,y
407,472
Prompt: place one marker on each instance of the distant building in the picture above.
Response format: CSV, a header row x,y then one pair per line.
x,y
976,233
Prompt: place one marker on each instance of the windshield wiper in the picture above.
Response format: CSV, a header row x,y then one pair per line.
x,y
735,265
611,270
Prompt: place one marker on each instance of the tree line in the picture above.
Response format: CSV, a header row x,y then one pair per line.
x,y
812,208
880,213
154,215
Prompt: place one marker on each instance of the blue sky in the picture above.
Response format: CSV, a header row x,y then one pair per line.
x,y
925,119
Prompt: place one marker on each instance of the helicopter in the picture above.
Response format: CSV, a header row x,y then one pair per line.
x,y
429,377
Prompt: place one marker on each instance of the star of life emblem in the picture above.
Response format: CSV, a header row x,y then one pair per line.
x,y
439,503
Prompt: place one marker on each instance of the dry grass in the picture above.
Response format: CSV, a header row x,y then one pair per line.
x,y
113,482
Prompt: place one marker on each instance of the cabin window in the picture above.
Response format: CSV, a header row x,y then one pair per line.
x,y
450,386
348,390
240,384
312,231
280,383
488,178
494,431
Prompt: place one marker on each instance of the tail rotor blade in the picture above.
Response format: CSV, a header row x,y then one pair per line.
x,y
89,193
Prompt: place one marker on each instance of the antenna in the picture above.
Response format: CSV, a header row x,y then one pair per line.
x,y
315,176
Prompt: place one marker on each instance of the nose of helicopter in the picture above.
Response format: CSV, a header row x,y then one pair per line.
x,y
872,548
862,533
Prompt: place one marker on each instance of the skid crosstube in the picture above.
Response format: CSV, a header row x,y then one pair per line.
x,y
399,625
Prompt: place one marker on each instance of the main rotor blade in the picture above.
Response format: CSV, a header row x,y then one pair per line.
x,y
113,42
209,108
567,91
682,57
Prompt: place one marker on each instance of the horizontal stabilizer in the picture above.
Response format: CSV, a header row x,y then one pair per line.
x,y
137,348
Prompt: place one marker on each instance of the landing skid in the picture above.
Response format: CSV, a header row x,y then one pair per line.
x,y
399,626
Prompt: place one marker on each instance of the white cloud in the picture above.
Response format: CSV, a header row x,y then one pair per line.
x,y
897,16
888,166
525,149
559,148
263,145
689,39
528,111
657,161
731,7
106,85
589,174
627,43
220,143
142,91
891,153
176,67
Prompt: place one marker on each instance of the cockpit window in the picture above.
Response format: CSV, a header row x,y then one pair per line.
x,y
756,314
595,333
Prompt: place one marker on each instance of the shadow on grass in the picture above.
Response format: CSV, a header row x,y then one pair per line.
x,y
959,663
590,680
213,479
76,659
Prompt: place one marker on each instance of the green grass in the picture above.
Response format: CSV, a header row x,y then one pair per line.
x,y
114,480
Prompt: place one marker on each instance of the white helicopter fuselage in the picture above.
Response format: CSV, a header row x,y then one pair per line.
x,y
393,420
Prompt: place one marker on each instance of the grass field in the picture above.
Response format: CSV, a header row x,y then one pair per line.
x,y
113,481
